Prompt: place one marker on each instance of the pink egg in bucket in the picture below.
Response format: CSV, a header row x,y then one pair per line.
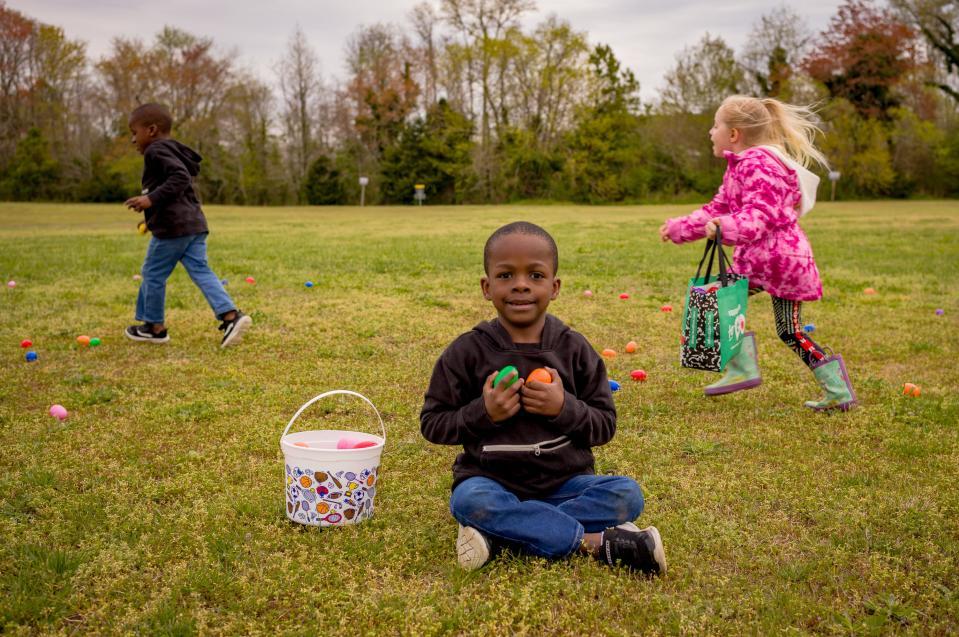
x,y
331,474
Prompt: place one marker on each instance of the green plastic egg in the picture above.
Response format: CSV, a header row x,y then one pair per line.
x,y
503,373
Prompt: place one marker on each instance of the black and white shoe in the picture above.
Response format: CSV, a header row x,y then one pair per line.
x,y
233,330
145,334
472,548
639,550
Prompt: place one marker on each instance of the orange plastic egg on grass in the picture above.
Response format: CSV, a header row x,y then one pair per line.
x,y
609,353
83,339
631,347
540,375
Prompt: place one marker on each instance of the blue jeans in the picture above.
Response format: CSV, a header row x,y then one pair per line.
x,y
162,257
553,526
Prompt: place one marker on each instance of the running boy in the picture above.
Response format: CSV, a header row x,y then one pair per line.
x,y
172,213
525,479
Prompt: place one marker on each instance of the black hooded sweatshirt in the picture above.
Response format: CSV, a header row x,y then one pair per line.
x,y
168,171
530,455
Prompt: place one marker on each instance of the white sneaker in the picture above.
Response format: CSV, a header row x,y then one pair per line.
x,y
472,549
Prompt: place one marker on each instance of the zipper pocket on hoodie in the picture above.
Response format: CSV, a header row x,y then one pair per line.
x,y
537,448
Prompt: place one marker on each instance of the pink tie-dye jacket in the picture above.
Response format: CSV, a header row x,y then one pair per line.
x,y
757,209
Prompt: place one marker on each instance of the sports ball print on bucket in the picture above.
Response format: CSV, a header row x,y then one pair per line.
x,y
327,485
714,319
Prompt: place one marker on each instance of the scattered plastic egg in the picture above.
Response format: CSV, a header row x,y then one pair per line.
x,y
609,353
940,312
137,277
613,385
638,374
588,293
30,356
308,284
911,390
11,284
869,291
59,412
95,341
666,308
631,347
83,339
250,280
26,343
624,296
809,327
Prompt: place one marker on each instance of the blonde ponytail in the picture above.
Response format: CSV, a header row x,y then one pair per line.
x,y
768,121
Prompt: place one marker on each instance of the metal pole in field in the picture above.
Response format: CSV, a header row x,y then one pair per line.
x,y
363,182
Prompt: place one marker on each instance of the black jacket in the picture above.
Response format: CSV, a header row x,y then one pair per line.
x,y
168,171
530,455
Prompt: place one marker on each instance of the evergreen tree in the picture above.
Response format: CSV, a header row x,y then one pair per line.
x,y
33,173
323,186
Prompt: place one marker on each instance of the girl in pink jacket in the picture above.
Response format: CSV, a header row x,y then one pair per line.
x,y
766,189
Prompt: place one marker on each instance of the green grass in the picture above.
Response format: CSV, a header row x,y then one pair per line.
x,y
157,507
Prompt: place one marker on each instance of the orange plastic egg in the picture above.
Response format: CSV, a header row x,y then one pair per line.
x,y
631,347
916,390
908,389
83,339
540,375
609,353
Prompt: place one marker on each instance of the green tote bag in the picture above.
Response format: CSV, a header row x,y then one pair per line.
x,y
714,318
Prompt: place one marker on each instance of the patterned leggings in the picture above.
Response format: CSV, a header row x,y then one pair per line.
x,y
789,328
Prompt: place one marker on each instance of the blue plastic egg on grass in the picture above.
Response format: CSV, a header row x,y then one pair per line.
x,y
30,356
613,385
809,327
308,284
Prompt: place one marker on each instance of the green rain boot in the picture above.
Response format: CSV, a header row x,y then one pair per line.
x,y
833,378
742,370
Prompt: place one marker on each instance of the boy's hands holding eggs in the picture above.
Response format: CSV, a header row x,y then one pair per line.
x,y
544,398
502,399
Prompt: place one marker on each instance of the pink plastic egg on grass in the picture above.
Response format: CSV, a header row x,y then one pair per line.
x,y
587,293
59,412
11,284
137,277
638,374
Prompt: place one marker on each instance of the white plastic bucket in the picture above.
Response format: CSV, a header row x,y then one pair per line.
x,y
326,486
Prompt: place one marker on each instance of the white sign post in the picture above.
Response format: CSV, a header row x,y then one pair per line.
x,y
363,182
834,176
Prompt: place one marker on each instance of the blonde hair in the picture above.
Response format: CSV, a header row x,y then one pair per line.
x,y
767,121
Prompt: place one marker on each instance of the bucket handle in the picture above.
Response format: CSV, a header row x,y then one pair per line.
x,y
330,393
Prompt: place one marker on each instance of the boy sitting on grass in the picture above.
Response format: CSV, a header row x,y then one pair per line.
x,y
525,479
172,213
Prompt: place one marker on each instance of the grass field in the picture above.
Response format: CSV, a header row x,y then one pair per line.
x,y
158,508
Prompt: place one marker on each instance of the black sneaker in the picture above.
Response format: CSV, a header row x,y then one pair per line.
x,y
233,330
640,550
472,548
145,334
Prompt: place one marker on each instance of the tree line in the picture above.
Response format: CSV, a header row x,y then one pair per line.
x,y
468,103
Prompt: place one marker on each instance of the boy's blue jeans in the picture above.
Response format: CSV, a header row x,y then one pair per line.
x,y
553,526
162,257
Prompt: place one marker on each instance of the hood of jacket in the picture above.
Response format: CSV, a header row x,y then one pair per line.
x,y
190,158
498,337
808,181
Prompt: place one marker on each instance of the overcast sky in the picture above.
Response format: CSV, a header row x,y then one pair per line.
x,y
645,35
